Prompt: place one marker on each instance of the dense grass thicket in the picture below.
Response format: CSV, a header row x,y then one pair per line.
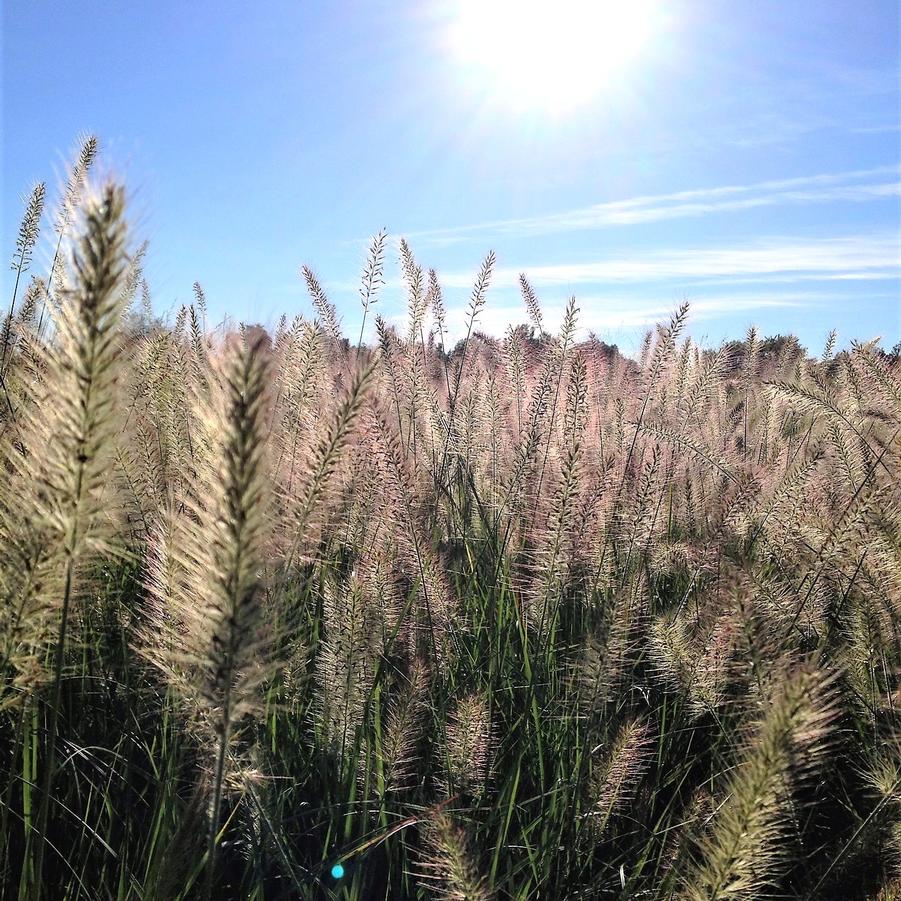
x,y
289,616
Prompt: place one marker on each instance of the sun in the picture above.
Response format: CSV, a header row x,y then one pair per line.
x,y
551,54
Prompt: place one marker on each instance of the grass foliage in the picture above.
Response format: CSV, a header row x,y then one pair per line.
x,y
287,616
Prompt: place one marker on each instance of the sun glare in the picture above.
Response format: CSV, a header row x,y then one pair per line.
x,y
553,54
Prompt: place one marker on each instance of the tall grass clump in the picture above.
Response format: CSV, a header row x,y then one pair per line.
x,y
207,627
287,615
54,508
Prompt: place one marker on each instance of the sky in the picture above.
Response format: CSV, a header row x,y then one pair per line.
x,y
739,154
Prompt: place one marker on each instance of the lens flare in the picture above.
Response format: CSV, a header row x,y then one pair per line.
x,y
556,55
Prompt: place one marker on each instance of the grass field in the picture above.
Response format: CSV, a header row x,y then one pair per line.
x,y
289,616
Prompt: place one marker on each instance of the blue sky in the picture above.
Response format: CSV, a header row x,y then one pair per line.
x,y
746,158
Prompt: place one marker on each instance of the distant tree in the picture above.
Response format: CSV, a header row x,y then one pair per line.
x,y
258,335
775,346
602,348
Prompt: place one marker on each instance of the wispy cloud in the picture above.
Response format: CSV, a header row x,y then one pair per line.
x,y
874,256
888,128
857,186
603,313
619,316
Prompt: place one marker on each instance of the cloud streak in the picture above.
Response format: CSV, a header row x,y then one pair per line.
x,y
854,257
623,317
857,186
602,313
